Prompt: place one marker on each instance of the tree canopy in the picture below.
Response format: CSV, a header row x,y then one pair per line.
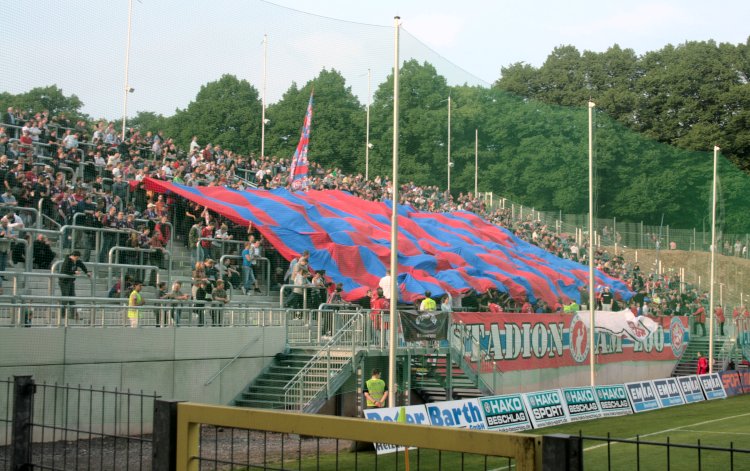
x,y
657,117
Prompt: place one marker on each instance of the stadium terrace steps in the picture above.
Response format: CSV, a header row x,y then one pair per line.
x,y
38,286
430,379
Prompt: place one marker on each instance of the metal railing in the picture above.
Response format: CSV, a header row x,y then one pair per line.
x,y
249,344
43,217
283,299
315,380
646,453
479,362
73,427
140,251
21,210
263,262
46,311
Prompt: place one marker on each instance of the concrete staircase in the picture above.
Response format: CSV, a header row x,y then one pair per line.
x,y
430,379
688,363
297,381
266,391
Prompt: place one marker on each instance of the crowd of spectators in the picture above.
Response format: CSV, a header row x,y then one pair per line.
x,y
65,166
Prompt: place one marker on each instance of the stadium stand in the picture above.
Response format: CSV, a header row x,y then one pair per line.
x,y
60,175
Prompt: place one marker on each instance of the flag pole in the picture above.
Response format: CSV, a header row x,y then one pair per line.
x,y
449,144
394,230
367,132
263,112
476,162
713,263
127,69
592,306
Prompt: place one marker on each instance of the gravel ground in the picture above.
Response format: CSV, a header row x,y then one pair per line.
x,y
221,449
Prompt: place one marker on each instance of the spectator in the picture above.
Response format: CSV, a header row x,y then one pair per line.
x,y
71,267
160,312
446,304
248,276
178,298
201,295
42,253
134,301
428,304
220,299
231,275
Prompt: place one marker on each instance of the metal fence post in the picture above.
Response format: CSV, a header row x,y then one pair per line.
x,y
562,452
164,446
23,406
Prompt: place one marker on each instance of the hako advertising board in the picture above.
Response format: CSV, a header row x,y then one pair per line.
x,y
505,413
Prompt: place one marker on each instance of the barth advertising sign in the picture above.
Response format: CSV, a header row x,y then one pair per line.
x,y
414,415
464,413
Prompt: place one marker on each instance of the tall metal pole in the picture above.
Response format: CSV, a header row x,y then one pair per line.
x,y
367,131
126,90
394,230
263,98
449,144
713,263
592,304
476,162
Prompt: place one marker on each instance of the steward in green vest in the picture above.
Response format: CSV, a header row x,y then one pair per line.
x,y
135,300
376,392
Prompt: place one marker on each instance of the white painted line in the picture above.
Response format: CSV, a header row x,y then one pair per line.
x,y
721,433
657,433
668,430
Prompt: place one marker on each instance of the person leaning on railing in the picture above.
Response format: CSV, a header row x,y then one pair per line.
x,y
71,266
177,297
219,299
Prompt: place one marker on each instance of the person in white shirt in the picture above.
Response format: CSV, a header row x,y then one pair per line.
x,y
194,146
385,283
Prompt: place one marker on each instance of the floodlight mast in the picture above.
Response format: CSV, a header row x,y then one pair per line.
x,y
394,229
713,264
592,304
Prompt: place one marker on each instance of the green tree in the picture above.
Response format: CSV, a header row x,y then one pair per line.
x,y
49,98
423,125
148,121
226,112
337,134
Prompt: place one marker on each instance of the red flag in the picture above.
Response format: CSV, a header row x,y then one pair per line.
x,y
298,172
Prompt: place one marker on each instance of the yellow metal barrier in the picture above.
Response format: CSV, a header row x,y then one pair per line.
x,y
525,449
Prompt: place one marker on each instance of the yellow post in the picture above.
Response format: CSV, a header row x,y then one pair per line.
x,y
188,441
402,419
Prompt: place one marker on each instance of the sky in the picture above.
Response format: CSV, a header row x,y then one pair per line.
x,y
179,45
